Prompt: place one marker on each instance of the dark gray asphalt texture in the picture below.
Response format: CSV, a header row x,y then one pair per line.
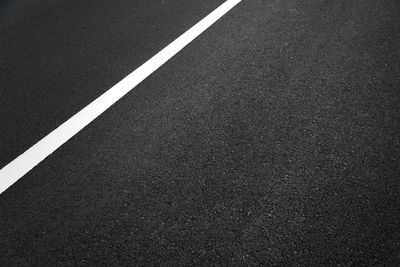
x,y
57,56
272,139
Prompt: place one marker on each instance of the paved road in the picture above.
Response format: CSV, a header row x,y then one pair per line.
x,y
273,138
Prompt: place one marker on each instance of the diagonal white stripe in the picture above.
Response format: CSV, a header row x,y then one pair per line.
x,y
37,153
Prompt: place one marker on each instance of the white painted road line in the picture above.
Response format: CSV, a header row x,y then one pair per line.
x,y
34,155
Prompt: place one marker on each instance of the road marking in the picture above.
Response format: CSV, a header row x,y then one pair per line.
x,y
17,168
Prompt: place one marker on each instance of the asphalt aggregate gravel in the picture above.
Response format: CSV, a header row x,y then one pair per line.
x,y
272,139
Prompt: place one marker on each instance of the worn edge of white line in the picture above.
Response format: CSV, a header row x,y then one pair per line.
x,y
17,168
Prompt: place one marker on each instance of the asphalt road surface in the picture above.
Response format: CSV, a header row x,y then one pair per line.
x,y
271,139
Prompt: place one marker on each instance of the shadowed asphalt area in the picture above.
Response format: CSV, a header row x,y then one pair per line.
x,y
273,138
